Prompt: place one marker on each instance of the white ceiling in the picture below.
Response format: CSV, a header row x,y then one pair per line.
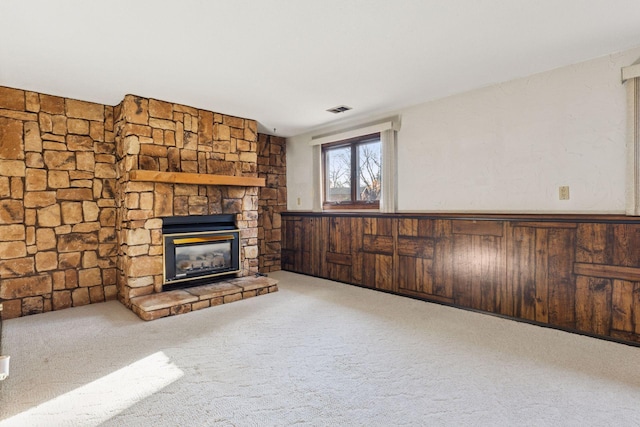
x,y
284,62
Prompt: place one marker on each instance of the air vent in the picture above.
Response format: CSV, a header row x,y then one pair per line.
x,y
339,109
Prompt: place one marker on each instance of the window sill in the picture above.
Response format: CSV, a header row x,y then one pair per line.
x,y
350,206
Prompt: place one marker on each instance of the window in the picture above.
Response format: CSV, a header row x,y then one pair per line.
x,y
352,173
368,160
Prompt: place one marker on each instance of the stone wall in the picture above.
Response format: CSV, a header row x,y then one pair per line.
x,y
74,230
57,206
272,200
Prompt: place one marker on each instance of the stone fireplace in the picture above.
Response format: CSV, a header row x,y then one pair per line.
x,y
178,162
85,189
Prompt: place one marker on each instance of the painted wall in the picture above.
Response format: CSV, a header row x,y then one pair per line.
x,y
507,147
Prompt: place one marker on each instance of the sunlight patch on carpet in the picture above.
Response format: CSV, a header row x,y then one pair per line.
x,y
100,400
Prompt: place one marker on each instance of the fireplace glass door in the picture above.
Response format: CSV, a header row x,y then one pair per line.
x,y
195,256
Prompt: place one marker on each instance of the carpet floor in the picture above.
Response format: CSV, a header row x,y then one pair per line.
x,y
314,353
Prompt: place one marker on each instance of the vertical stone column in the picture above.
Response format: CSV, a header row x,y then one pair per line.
x,y
141,205
272,200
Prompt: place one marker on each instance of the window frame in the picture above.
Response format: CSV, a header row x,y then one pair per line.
x,y
353,143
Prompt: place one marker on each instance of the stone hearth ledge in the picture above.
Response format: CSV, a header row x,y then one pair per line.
x,y
170,303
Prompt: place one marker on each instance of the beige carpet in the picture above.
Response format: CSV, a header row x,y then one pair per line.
x,y
314,353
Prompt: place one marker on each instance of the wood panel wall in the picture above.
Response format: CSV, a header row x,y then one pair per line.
x,y
576,273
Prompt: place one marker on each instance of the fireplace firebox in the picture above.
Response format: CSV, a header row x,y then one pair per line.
x,y
199,249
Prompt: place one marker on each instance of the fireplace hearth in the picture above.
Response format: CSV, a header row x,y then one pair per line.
x,y
199,249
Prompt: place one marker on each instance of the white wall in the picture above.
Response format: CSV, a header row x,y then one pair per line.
x,y
507,148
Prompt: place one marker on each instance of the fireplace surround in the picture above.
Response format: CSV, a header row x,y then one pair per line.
x,y
181,162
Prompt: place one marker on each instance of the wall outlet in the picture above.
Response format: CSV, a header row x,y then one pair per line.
x,y
563,192
299,201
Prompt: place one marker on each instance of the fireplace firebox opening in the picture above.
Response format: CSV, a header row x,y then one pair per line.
x,y
199,249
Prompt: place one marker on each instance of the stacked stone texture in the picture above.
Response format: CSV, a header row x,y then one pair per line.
x,y
57,206
74,230
160,136
272,199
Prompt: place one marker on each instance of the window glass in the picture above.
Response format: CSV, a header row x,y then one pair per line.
x,y
369,171
338,174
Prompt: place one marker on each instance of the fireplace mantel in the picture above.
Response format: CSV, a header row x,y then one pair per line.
x,y
195,178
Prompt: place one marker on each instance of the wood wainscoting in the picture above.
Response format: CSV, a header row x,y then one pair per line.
x,y
573,272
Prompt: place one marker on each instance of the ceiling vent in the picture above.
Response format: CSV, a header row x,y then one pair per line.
x,y
339,109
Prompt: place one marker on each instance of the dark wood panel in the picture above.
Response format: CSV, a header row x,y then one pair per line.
x,y
292,245
416,227
492,273
342,259
313,247
592,244
320,245
478,271
420,247
415,274
340,235
288,249
338,248
463,274
426,227
317,237
301,246
378,244
443,259
626,244
607,271
357,254
304,258
542,276
562,288
480,228
414,257
593,305
384,273
287,259
522,273
378,247
610,244
407,274
407,227
625,306
424,275
539,224
369,272
378,226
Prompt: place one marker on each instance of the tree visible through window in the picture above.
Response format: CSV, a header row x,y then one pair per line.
x,y
353,173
